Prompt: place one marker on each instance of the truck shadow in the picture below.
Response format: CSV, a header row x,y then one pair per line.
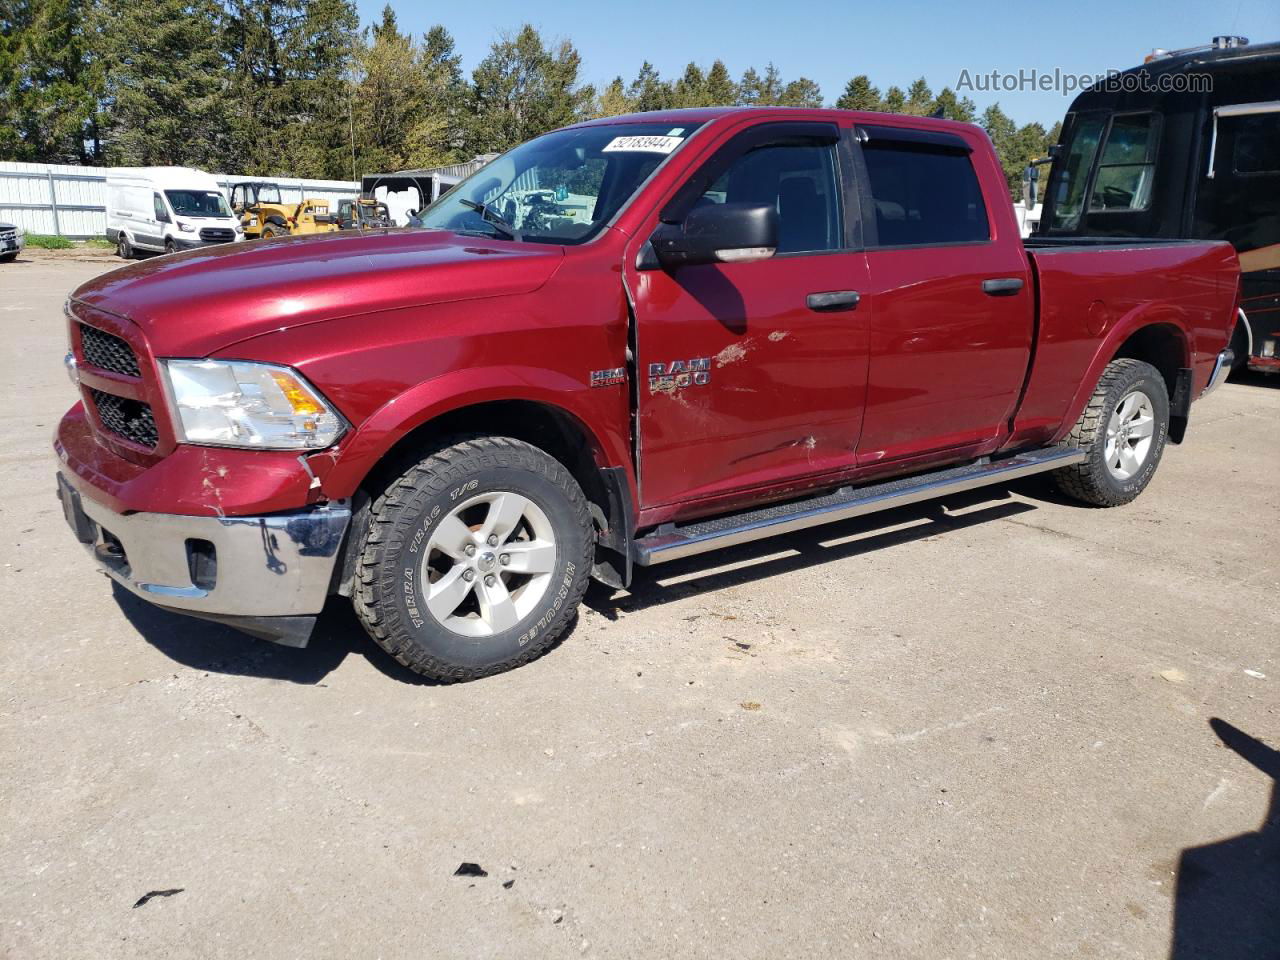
x,y
211,647
1227,900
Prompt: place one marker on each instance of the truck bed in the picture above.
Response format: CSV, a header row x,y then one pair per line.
x,y
1089,292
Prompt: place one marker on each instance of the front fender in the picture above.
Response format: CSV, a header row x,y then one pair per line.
x,y
353,459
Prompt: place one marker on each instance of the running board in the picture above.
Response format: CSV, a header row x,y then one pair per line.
x,y
670,542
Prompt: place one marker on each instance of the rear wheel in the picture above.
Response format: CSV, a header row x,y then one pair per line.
x,y
1122,430
274,230
124,249
474,560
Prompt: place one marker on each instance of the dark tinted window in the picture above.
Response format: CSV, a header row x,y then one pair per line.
x,y
924,195
1256,142
800,181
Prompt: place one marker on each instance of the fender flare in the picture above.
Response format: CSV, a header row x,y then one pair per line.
x,y
1141,316
353,459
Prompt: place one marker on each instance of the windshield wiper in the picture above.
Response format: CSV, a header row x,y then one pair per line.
x,y
492,217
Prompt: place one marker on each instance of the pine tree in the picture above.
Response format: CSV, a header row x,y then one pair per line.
x,y
165,93
691,89
648,91
721,91
522,89
895,101
760,91
859,94
954,107
290,63
801,93
613,100
920,102
50,81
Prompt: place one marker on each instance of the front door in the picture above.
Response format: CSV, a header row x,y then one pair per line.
x,y
747,380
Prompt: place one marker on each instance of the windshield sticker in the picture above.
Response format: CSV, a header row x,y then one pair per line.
x,y
643,144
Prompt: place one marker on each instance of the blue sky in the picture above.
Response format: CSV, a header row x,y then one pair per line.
x,y
829,42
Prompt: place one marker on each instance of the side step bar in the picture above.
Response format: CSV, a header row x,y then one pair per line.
x,y
670,542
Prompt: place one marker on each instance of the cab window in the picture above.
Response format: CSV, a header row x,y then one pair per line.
x,y
1127,164
800,181
922,195
157,204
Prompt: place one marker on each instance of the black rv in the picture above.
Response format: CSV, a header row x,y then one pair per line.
x,y
1186,145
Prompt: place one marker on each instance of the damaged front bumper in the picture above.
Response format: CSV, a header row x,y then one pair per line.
x,y
266,575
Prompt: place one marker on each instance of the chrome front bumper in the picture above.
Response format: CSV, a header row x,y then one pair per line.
x,y
1221,369
267,575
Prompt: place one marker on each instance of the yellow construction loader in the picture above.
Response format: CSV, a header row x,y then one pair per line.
x,y
262,213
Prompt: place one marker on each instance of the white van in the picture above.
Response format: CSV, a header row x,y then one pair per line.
x,y
166,209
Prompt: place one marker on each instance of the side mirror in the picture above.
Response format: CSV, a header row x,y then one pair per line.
x,y
1030,186
717,233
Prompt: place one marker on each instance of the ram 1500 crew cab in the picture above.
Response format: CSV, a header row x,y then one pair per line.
x,y
626,341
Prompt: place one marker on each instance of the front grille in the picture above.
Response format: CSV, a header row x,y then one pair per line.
x,y
108,352
8,235
216,234
127,418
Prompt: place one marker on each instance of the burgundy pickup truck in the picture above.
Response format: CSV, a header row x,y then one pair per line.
x,y
625,342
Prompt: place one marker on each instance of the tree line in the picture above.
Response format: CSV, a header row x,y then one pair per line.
x,y
297,88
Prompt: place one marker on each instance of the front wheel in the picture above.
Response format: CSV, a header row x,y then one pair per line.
x,y
1123,430
474,560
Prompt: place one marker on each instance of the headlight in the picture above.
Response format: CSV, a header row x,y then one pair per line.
x,y
235,403
186,227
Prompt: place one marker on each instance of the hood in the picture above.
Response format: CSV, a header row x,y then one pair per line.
x,y
196,303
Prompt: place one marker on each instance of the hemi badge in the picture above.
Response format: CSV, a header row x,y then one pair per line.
x,y
608,378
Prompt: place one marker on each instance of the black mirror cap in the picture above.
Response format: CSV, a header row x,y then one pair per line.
x,y
719,233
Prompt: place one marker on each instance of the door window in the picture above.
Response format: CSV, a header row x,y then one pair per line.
x,y
158,205
1128,161
799,181
922,195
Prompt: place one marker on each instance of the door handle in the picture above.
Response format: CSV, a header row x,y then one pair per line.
x,y
833,301
1002,287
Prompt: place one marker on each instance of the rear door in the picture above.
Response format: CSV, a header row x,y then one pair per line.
x,y
745,382
953,319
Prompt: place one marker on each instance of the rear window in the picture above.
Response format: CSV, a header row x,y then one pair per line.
x,y
922,195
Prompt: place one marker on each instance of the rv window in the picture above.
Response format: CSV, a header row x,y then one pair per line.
x,y
1123,180
1257,142
1075,166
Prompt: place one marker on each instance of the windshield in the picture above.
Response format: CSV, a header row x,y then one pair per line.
x,y
560,188
198,203
1071,172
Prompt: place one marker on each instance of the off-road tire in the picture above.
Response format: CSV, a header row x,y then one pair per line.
x,y
1091,481
124,249
273,230
388,592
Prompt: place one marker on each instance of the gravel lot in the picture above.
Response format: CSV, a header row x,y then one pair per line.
x,y
978,731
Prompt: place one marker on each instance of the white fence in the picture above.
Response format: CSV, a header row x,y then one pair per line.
x,y
70,201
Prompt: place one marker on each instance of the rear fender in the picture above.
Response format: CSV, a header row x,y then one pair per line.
x,y
1143,315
